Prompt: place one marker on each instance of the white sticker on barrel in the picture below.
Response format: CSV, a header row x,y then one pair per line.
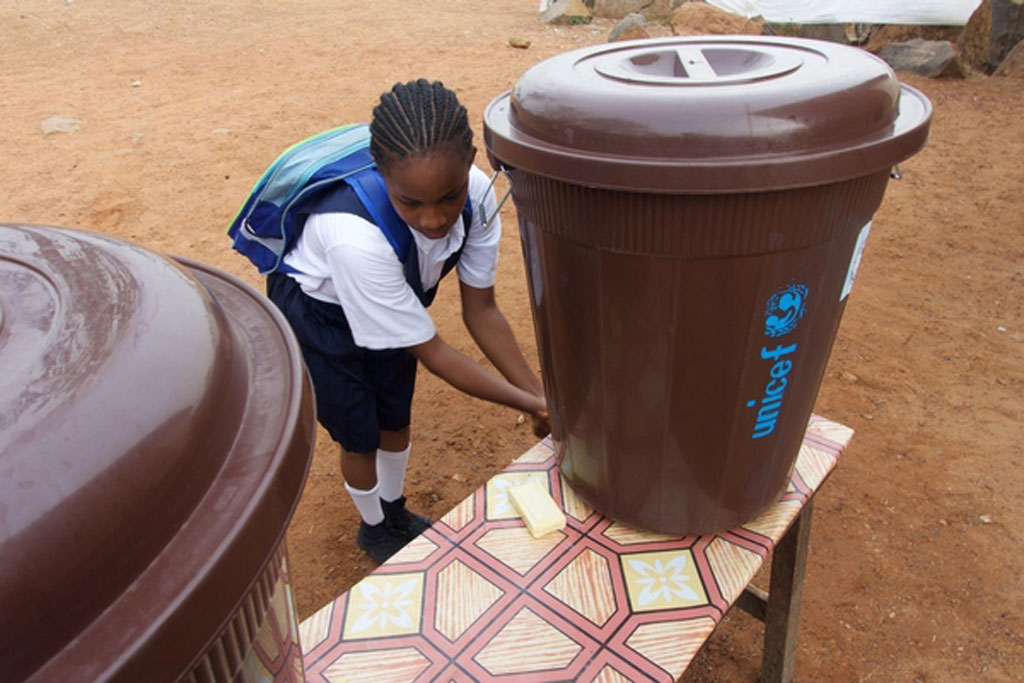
x,y
858,251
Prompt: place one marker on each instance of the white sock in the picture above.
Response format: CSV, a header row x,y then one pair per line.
x,y
368,503
391,472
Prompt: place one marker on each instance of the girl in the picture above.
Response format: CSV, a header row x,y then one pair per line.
x,y
360,314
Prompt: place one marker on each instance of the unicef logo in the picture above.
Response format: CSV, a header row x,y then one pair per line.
x,y
784,310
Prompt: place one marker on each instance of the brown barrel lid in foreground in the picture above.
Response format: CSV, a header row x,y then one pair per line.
x,y
156,426
707,114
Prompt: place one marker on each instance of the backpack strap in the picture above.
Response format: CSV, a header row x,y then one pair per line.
x,y
467,222
369,187
364,194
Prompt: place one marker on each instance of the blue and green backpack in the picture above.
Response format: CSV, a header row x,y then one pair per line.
x,y
332,171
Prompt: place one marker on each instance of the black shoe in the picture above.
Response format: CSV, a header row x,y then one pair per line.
x,y
379,542
403,523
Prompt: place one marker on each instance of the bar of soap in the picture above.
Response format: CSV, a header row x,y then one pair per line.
x,y
537,508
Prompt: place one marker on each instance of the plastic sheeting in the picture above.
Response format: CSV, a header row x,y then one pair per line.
x,y
939,12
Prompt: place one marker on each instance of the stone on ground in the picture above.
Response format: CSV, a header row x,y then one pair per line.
x,y
630,27
699,18
924,58
567,12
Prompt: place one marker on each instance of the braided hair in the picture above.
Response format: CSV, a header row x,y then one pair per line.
x,y
416,118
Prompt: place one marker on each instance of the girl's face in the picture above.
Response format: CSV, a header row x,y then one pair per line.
x,y
429,191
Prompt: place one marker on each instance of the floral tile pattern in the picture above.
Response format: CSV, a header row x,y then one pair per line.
x,y
385,605
663,580
477,598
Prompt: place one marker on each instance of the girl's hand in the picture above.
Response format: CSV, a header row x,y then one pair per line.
x,y
541,421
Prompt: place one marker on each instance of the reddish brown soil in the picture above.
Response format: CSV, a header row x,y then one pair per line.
x,y
916,560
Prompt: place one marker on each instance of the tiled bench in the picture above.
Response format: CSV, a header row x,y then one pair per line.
x,y
477,598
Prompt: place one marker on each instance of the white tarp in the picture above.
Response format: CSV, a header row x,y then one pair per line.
x,y
939,12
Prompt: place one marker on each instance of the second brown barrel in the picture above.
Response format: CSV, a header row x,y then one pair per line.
x,y
692,213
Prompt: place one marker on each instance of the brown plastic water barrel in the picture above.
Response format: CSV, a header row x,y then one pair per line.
x,y
156,427
692,211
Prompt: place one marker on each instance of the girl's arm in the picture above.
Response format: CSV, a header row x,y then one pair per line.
x,y
466,375
491,332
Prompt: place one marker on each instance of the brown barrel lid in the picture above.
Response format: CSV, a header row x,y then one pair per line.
x,y
707,114
156,425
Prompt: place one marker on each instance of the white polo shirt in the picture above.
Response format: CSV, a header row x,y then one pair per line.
x,y
344,259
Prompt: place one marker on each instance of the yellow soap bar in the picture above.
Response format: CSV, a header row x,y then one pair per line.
x,y
537,508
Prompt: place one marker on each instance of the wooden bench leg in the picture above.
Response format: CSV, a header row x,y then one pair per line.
x,y
782,612
779,608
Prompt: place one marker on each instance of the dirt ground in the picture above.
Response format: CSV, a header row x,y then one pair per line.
x,y
917,554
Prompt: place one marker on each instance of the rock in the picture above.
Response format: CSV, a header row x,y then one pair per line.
x,y
633,33
618,9
898,33
629,28
699,18
665,8
936,58
521,43
567,12
60,124
1007,29
992,31
973,42
834,33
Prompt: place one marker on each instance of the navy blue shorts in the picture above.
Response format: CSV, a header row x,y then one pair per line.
x,y
358,391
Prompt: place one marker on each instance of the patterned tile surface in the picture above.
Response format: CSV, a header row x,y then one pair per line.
x,y
477,598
